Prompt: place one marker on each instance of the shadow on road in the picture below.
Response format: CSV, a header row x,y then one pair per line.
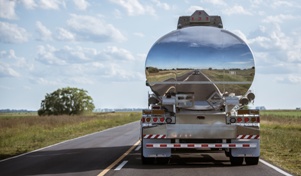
x,y
93,160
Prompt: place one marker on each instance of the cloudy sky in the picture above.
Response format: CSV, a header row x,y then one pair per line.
x,y
101,46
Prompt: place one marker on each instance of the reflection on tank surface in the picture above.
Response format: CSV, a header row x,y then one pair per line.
x,y
201,60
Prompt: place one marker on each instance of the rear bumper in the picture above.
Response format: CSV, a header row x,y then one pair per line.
x,y
200,131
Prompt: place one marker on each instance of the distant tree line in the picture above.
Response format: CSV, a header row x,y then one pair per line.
x,y
14,110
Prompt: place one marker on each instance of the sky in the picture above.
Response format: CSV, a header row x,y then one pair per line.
x,y
101,47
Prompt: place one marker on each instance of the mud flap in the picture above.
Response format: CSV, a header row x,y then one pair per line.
x,y
246,152
156,152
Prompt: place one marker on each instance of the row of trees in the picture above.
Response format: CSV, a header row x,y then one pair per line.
x,y
66,101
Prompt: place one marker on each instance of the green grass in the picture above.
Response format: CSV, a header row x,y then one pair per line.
x,y
27,132
281,139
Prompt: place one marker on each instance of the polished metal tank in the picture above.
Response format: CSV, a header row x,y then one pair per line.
x,y
202,60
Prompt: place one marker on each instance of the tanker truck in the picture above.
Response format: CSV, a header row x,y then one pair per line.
x,y
200,75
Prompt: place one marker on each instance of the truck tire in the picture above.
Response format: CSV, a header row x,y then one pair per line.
x,y
162,161
252,160
146,161
236,161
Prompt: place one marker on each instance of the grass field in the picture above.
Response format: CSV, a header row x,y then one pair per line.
x,y
19,133
281,139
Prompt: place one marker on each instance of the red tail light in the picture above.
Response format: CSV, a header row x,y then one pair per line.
x,y
143,120
239,119
162,119
148,119
246,119
155,119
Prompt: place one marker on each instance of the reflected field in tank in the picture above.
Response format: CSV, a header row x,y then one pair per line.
x,y
201,60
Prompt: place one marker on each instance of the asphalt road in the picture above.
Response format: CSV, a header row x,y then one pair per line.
x,y
93,154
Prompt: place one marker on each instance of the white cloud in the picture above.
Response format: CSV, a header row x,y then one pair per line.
x,y
44,33
89,28
6,71
81,4
12,33
64,35
236,9
215,2
280,18
162,5
46,55
277,51
51,4
280,3
29,4
290,79
134,7
10,63
111,63
118,53
7,9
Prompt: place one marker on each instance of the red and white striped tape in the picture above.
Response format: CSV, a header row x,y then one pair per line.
x,y
182,145
248,137
162,136
154,136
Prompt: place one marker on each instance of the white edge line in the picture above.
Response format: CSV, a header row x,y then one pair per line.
x,y
275,168
120,165
138,147
17,156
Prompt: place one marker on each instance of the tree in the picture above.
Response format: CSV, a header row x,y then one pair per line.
x,y
68,101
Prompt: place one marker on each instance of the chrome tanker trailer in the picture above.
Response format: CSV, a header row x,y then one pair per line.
x,y
200,75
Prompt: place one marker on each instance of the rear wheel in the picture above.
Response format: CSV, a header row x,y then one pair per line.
x,y
145,160
227,153
236,161
252,160
162,160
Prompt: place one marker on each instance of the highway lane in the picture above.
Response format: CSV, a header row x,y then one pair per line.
x,y
192,164
87,155
92,154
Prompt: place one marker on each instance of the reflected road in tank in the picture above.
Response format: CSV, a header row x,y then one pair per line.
x,y
202,60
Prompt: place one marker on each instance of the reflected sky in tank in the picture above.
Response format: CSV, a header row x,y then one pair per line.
x,y
200,48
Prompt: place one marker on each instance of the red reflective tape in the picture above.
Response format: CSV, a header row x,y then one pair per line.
x,y
204,145
149,145
218,145
156,136
190,145
163,145
232,145
245,145
177,145
164,136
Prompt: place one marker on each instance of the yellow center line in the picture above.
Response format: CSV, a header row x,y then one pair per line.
x,y
118,160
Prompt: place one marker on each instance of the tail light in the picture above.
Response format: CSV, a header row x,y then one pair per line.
x,y
148,119
162,119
